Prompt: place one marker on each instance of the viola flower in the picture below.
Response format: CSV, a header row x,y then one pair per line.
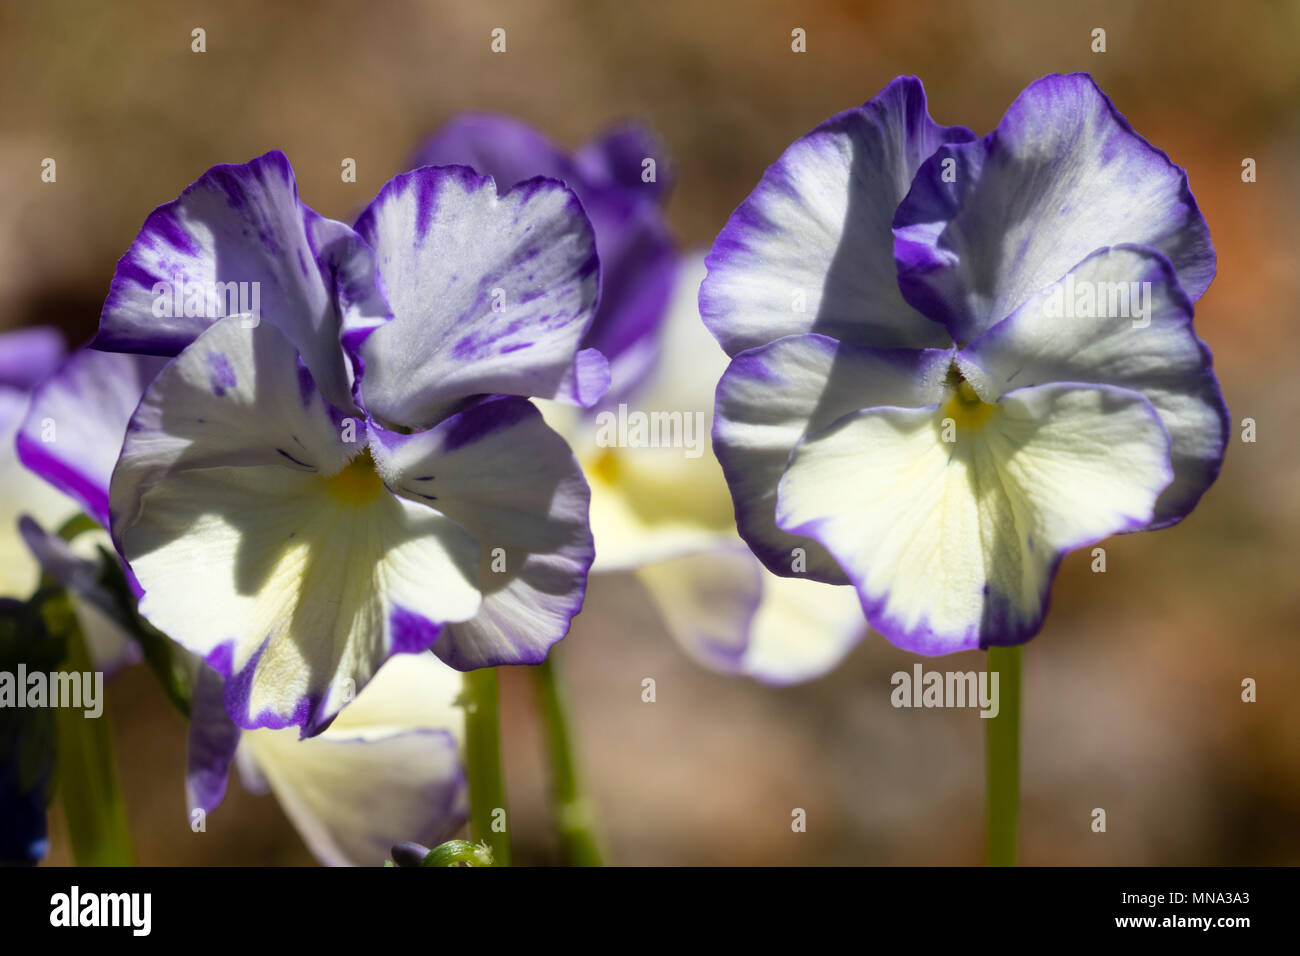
x,y
340,462
956,359
662,513
389,769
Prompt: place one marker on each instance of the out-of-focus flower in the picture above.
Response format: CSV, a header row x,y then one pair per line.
x,y
341,463
659,505
388,770
954,360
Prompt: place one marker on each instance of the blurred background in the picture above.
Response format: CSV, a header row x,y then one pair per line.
x,y
1133,688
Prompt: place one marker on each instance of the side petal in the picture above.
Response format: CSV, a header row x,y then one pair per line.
x,y
988,223
76,422
240,242
953,545
388,770
802,631
499,472
810,249
770,397
1157,353
242,492
212,742
490,293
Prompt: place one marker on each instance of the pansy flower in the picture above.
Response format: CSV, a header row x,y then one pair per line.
x,y
661,513
956,359
340,462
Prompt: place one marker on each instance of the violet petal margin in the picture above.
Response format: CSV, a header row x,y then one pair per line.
x,y
636,250
990,222
810,249
76,422
500,472
490,294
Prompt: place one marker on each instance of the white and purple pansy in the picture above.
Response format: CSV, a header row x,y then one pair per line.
x,y
340,462
956,359
621,179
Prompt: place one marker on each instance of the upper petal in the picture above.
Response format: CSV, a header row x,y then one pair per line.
x,y
990,222
498,471
633,242
953,544
1138,335
770,397
239,241
810,249
490,294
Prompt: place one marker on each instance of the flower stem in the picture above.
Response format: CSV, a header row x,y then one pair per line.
x,y
573,822
487,795
87,773
1003,759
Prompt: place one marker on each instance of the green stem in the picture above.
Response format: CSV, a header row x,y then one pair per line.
x,y
88,784
487,795
1003,759
573,822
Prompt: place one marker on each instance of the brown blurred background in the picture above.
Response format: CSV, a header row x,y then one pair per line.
x,y
1133,688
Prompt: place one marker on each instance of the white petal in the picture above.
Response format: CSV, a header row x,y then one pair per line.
x,y
953,545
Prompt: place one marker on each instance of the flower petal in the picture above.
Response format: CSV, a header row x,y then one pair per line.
x,y
389,769
708,602
499,472
76,422
636,252
1157,354
241,239
732,615
810,249
28,355
953,545
230,496
771,396
490,294
988,223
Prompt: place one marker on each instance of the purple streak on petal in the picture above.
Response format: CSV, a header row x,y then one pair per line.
x,y
213,740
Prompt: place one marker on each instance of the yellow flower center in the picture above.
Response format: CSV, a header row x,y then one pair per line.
x,y
966,409
358,483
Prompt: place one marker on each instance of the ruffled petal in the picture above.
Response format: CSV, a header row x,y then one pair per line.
x,y
771,396
240,242
75,424
242,492
953,545
988,223
499,472
490,294
633,242
810,249
1057,336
